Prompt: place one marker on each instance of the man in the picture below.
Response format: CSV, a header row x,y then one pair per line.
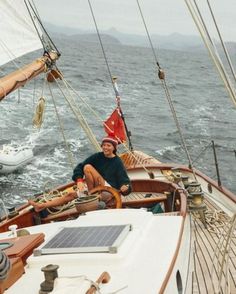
x,y
102,168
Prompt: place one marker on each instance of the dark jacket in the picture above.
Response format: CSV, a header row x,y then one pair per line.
x,y
111,169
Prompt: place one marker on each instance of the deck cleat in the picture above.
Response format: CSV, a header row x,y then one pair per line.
x,y
50,274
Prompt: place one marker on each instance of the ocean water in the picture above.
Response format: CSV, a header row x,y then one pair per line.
x,y
202,105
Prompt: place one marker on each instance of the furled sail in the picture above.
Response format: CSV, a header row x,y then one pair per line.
x,y
18,34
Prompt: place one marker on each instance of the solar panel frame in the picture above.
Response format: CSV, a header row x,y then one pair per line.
x,y
87,239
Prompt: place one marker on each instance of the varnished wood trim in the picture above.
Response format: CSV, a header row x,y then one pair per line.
x,y
20,77
16,271
184,168
23,220
171,268
62,216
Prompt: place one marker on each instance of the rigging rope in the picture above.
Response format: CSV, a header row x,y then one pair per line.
x,y
221,40
43,38
34,93
196,15
111,77
79,116
219,223
148,35
161,76
203,150
69,153
18,95
222,253
205,30
101,44
9,53
12,57
85,126
121,113
48,196
150,173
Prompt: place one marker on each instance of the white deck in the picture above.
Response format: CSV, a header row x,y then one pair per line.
x,y
141,263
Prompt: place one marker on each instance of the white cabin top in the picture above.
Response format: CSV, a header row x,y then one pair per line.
x,y
141,263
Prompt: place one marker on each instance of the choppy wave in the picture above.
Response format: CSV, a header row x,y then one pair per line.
x,y
204,111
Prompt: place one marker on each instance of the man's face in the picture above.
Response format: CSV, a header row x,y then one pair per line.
x,y
107,149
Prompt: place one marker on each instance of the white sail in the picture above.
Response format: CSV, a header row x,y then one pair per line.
x,y
18,35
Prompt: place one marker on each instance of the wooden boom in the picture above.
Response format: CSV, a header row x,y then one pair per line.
x,y
20,77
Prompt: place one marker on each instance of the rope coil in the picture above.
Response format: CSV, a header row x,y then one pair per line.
x,y
38,116
48,196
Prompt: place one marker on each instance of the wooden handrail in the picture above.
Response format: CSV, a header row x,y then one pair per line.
x,y
104,279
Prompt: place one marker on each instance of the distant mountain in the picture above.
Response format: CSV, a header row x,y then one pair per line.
x,y
80,35
92,37
61,30
173,41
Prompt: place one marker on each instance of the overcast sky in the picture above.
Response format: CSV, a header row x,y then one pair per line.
x,y
162,16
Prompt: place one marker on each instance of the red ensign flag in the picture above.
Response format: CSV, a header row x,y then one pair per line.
x,y
115,125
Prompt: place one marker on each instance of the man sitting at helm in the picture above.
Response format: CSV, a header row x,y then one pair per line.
x,y
101,168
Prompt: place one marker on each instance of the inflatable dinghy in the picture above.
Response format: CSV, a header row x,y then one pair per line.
x,y
13,157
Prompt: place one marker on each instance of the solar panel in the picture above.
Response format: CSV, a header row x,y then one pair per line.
x,y
85,240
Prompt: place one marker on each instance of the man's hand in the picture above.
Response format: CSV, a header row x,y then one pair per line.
x,y
80,186
124,188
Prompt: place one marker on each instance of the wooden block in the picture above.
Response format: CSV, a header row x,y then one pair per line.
x,y
23,246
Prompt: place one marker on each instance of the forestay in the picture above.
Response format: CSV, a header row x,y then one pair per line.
x,y
18,34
